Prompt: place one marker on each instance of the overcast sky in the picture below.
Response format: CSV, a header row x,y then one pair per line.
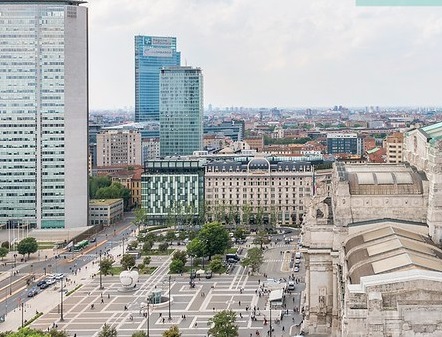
x,y
275,53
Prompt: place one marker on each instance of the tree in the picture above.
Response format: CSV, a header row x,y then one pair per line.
x,y
115,190
173,331
195,248
106,265
261,238
95,183
58,333
3,252
239,234
132,245
5,244
180,255
215,239
216,265
146,260
147,246
107,331
140,217
27,246
163,247
139,334
170,236
127,261
254,259
176,266
223,324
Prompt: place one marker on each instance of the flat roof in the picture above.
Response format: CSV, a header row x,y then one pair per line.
x,y
103,202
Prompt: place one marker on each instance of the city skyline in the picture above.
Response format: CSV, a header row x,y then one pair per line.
x,y
284,54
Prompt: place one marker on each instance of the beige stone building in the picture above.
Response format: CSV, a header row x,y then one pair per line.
x,y
118,147
373,267
260,190
105,211
393,145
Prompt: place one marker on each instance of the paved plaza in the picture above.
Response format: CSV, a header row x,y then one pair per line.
x,y
88,308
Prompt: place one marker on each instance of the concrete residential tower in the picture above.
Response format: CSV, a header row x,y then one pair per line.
x,y
44,113
181,111
151,54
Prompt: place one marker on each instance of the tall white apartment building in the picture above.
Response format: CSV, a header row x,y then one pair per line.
x,y
118,147
43,113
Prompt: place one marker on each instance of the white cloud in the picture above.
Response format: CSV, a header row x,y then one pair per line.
x,y
275,53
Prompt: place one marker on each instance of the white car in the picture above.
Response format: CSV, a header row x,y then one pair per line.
x,y
296,269
50,281
59,276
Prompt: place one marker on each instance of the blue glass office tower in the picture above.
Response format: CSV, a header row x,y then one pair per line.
x,y
151,54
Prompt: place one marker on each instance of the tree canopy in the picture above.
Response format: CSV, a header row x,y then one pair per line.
x,y
114,191
173,331
127,261
28,332
108,331
106,265
215,239
28,246
3,252
254,259
223,324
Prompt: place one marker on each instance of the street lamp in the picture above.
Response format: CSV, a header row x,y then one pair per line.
x,y
10,280
270,305
61,300
170,298
146,308
99,269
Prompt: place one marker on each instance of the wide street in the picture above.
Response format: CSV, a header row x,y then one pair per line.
x,y
88,308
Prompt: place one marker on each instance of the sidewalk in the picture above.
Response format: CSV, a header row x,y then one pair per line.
x,y
48,298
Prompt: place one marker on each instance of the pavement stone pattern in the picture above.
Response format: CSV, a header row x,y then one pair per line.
x,y
191,308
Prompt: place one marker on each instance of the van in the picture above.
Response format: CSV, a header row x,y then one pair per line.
x,y
291,286
298,255
232,257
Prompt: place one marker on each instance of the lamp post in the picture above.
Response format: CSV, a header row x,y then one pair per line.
x,y
61,300
170,298
99,269
10,281
270,305
146,308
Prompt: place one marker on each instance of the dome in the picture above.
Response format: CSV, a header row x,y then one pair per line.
x,y
259,164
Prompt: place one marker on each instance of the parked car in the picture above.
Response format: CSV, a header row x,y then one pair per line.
x,y
58,276
44,285
50,281
39,283
296,269
32,292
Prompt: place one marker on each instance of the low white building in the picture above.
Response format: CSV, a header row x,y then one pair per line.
x,y
105,211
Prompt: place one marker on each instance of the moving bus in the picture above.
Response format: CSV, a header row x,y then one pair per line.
x,y
80,245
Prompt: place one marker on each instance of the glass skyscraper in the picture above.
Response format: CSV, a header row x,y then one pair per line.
x,y
181,111
151,54
43,113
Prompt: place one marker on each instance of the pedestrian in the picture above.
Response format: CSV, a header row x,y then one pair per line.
x,y
164,319
108,296
283,328
161,314
239,302
196,324
125,307
102,301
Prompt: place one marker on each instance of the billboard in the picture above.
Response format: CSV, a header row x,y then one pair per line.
x,y
153,41
157,52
